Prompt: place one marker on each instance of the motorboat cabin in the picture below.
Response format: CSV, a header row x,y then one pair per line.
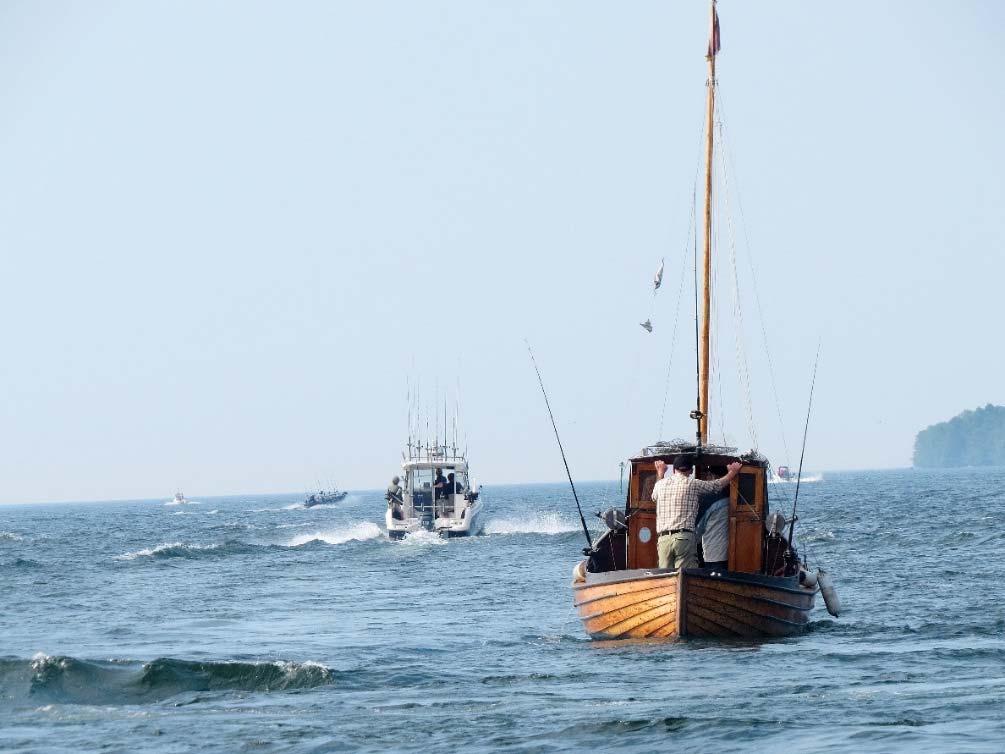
x,y
438,496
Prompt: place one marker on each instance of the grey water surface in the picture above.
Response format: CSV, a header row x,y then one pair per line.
x,y
249,623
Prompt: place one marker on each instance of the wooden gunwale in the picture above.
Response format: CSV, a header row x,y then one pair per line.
x,y
647,575
751,583
755,598
704,601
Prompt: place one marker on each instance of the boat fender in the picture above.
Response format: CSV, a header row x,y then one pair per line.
x,y
579,572
807,579
831,599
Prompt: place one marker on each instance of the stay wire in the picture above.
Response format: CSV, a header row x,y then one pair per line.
x,y
757,297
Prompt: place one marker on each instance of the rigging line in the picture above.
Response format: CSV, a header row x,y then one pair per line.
x,y
676,320
757,296
692,233
743,364
561,450
802,453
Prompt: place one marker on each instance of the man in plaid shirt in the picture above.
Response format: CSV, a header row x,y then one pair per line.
x,y
677,498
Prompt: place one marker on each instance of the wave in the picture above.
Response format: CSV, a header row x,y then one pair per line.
x,y
358,533
186,502
182,550
196,513
10,536
539,523
68,680
22,563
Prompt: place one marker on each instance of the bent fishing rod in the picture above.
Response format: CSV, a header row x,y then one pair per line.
x,y
806,429
561,450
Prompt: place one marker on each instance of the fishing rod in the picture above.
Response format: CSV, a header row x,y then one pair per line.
x,y
806,429
561,450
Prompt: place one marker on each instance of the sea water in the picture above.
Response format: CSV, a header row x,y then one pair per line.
x,y
250,623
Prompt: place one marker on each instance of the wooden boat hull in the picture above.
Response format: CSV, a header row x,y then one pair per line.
x,y
663,604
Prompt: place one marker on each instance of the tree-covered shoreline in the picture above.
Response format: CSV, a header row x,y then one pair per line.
x,y
973,438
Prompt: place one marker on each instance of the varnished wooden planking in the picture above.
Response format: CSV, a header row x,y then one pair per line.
x,y
800,599
758,607
662,626
628,614
733,615
641,626
617,602
584,592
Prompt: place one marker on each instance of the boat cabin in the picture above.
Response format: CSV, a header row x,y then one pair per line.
x,y
436,488
757,543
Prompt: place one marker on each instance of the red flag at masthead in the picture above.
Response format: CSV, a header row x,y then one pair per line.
x,y
713,38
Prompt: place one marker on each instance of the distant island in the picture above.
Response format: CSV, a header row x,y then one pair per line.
x,y
974,438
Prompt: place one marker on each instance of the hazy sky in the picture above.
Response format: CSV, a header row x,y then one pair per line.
x,y
231,232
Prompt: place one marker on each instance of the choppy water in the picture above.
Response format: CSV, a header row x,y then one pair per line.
x,y
252,624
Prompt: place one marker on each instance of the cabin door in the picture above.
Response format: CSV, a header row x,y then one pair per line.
x,y
746,520
642,518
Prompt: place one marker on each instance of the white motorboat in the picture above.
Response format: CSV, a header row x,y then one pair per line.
x,y
438,496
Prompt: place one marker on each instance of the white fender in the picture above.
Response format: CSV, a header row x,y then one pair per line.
x,y
831,599
807,579
579,572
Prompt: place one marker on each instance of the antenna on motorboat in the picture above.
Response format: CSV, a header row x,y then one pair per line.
x,y
806,429
561,450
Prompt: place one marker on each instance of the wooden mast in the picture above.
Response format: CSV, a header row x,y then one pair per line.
x,y
706,301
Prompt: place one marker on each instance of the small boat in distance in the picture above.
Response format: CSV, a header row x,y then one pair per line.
x,y
438,496
179,499
324,497
758,585
785,475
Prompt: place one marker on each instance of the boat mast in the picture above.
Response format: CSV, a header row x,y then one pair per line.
x,y
713,48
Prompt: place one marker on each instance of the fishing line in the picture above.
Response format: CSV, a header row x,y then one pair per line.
x,y
561,450
806,429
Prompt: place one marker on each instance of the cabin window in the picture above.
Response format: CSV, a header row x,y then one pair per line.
x,y
747,487
421,479
647,480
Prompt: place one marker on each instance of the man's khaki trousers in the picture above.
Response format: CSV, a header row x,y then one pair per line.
x,y
677,550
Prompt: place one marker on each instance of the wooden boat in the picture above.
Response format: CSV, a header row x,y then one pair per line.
x,y
764,590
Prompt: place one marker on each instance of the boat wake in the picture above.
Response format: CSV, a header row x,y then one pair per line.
x,y
540,523
182,502
357,533
422,537
68,680
805,480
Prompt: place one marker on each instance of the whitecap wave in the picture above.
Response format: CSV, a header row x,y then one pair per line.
x,y
538,523
357,533
182,502
167,549
197,513
10,536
